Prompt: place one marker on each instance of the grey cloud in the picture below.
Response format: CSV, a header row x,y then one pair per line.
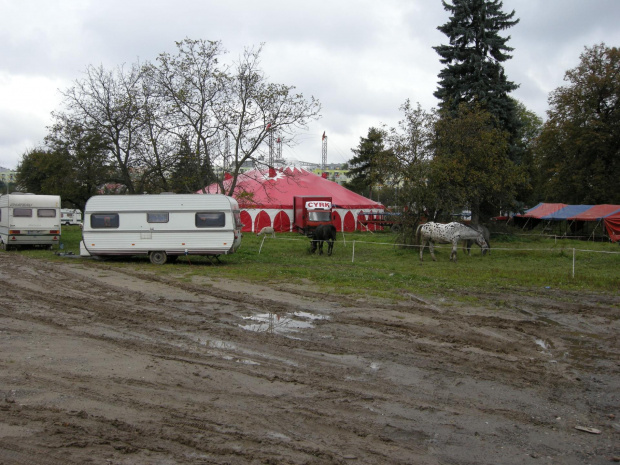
x,y
362,59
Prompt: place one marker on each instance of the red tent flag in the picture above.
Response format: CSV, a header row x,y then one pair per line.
x,y
323,138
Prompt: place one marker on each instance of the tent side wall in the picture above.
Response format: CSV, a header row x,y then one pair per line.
x,y
612,224
281,219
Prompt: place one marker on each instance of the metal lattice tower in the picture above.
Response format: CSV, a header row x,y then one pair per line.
x,y
270,161
279,148
324,152
225,164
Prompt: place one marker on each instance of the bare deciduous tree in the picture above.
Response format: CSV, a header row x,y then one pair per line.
x,y
109,103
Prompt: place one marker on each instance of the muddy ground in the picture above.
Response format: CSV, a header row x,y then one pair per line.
x,y
108,365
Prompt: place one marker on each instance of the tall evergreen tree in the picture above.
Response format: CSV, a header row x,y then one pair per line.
x,y
369,163
190,173
473,71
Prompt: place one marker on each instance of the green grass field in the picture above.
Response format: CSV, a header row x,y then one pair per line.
x,y
372,264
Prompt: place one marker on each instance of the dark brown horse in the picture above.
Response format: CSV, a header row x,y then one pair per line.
x,y
323,232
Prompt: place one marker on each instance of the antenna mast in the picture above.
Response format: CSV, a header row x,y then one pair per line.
x,y
324,152
270,161
225,164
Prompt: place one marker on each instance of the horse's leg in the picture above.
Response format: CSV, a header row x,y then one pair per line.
x,y
431,247
455,246
313,246
320,247
330,246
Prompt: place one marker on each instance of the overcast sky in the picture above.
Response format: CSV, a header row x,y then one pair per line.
x,y
362,59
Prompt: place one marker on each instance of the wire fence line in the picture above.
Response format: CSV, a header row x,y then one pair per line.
x,y
553,236
507,249
574,250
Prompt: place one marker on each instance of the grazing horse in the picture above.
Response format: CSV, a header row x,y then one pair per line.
x,y
445,234
323,232
485,233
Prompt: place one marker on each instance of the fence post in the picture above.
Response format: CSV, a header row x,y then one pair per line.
x,y
573,262
353,255
261,244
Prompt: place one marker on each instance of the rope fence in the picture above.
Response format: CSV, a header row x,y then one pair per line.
x,y
495,249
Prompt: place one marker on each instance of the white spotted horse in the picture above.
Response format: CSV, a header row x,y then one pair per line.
x,y
487,237
446,234
323,233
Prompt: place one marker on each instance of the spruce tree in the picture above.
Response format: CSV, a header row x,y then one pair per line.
x,y
473,71
367,166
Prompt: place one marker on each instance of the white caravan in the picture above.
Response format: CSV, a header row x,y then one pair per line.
x,y
161,226
70,216
29,219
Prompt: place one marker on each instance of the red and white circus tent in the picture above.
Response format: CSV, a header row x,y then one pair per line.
x,y
266,198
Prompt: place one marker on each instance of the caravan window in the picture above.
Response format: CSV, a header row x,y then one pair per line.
x,y
210,220
157,217
237,216
22,212
46,213
104,220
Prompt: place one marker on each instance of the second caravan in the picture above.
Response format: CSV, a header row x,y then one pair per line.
x,y
70,216
29,220
161,226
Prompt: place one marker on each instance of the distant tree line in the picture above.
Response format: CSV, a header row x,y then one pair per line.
x,y
173,125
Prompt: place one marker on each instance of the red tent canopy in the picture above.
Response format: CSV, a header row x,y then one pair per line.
x,y
543,209
276,189
612,223
597,212
609,214
266,196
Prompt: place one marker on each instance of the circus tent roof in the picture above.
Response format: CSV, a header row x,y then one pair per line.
x,y
275,189
543,209
610,214
597,212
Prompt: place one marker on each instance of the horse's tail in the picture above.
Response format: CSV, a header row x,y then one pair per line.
x,y
417,233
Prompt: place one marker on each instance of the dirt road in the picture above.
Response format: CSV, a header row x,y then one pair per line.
x,y
103,364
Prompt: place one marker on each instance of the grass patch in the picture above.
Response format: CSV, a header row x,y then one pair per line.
x,y
372,264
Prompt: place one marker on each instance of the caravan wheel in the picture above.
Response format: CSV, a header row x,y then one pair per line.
x,y
158,257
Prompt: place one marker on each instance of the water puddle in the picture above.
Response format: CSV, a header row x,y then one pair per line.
x,y
546,348
310,316
542,344
276,323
